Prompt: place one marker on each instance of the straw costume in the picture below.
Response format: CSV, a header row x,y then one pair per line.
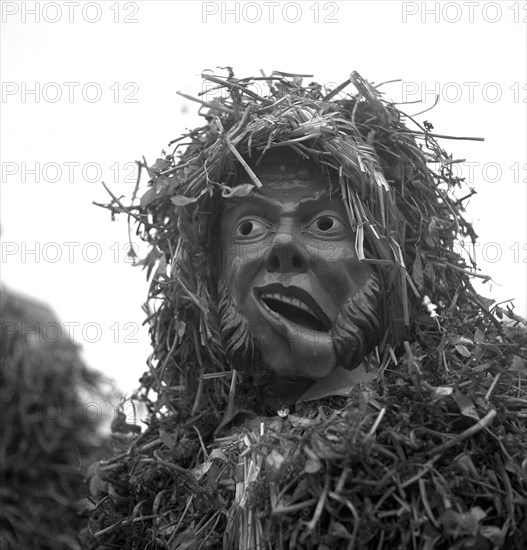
x,y
426,449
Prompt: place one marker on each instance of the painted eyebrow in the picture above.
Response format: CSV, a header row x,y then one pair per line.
x,y
235,201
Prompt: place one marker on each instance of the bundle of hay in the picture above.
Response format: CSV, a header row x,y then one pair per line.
x,y
51,409
428,453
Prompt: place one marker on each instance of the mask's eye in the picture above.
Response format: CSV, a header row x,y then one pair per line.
x,y
326,225
250,228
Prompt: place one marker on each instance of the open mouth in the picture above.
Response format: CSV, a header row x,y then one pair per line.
x,y
295,305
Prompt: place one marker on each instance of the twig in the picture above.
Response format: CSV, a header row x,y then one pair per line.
x,y
462,270
426,504
428,108
240,159
483,423
353,510
337,90
377,422
293,507
226,84
174,467
442,136
232,391
492,386
124,208
217,107
127,521
320,506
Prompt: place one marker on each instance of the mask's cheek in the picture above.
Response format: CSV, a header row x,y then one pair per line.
x,y
343,276
240,269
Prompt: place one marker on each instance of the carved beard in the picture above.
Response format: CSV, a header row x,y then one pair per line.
x,y
239,343
356,332
358,328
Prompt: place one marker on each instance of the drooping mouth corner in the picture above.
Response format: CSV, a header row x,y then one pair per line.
x,y
295,305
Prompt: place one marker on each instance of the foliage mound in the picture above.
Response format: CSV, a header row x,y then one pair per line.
x,y
50,432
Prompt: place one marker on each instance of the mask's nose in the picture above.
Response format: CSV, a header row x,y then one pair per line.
x,y
287,255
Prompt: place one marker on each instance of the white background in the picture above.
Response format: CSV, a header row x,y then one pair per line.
x,y
138,54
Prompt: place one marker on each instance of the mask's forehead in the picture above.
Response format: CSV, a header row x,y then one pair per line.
x,y
274,172
284,170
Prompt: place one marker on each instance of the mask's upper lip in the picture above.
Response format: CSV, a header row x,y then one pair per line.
x,y
294,293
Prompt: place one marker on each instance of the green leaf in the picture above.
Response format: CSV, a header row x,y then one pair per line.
x,y
160,165
456,339
147,198
200,470
338,382
238,191
518,365
313,463
337,529
218,453
462,350
479,337
440,392
466,406
185,540
312,466
494,534
468,523
274,460
167,439
181,327
181,200
417,272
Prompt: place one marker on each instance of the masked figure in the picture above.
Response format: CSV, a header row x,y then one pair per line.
x,y
314,333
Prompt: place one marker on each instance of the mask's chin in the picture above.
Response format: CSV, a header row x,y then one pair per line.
x,y
284,346
294,339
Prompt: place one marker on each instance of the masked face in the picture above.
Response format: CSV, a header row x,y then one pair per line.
x,y
289,267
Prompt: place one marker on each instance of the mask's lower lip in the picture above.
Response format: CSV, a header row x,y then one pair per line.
x,y
296,351
280,317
